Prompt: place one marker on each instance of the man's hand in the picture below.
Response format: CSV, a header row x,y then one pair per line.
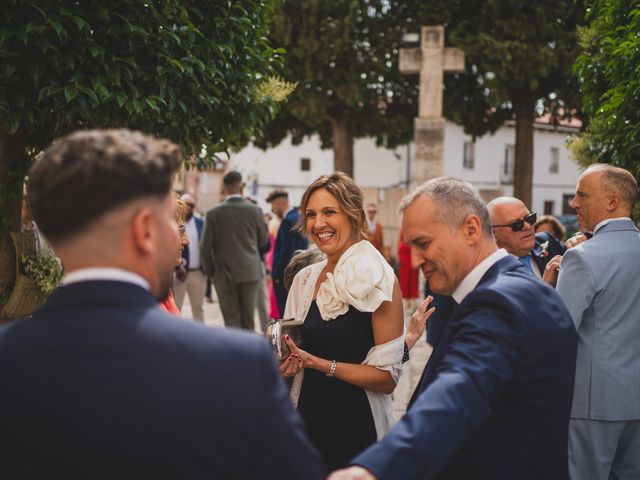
x,y
352,473
550,274
577,239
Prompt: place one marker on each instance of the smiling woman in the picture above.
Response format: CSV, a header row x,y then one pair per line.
x,y
169,304
350,357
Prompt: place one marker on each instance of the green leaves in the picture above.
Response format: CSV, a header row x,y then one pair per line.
x,y
343,55
164,67
608,75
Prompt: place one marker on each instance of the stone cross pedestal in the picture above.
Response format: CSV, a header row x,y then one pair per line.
x,y
431,61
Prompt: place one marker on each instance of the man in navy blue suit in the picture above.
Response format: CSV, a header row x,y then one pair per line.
x,y
495,396
100,382
287,242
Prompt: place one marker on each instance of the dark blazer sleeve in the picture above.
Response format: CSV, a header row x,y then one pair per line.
x,y
286,449
263,233
288,242
199,226
283,250
480,358
206,246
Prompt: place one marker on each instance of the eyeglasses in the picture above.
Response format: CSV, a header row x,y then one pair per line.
x,y
191,205
518,225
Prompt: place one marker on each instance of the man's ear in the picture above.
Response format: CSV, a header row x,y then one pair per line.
x,y
613,201
471,228
141,228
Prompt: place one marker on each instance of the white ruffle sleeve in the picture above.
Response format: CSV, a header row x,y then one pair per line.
x,y
362,278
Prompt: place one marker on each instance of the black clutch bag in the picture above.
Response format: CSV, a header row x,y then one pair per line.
x,y
276,331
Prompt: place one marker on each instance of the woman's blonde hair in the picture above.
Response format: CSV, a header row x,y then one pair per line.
x,y
349,197
181,210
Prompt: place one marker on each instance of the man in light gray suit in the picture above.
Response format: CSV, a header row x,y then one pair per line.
x,y
599,282
234,231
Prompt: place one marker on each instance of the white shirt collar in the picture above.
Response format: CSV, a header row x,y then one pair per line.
x,y
233,195
472,279
112,274
609,220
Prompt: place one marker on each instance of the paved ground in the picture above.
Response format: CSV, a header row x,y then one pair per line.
x,y
412,369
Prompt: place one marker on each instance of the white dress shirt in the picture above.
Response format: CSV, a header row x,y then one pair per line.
x,y
472,279
194,243
111,274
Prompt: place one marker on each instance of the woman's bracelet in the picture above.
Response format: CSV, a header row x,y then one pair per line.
x,y
332,369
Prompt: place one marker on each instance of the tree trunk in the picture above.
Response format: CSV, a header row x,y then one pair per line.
x,y
523,103
13,164
342,146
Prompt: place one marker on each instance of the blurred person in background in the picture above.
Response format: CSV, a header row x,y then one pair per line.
x,y
194,282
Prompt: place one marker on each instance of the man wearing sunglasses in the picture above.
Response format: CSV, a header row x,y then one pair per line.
x,y
513,229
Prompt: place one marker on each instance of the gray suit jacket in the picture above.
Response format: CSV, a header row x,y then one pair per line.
x,y
233,233
600,283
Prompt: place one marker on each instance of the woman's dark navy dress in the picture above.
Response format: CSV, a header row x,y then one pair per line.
x,y
337,414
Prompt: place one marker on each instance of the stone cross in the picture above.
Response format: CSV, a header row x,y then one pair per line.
x,y
431,61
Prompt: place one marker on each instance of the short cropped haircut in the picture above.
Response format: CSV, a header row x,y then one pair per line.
x,y
349,197
88,173
619,180
232,178
454,200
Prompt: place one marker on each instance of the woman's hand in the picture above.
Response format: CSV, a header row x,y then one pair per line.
x,y
306,359
290,366
418,322
296,361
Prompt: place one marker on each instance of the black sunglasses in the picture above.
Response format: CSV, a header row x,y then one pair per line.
x,y
518,225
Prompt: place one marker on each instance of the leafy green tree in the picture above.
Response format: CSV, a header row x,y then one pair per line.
x,y
344,56
607,72
186,70
518,63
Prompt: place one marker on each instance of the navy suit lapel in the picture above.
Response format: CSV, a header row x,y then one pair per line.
x,y
438,352
507,263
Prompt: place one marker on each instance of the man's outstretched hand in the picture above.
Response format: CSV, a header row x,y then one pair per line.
x,y
352,473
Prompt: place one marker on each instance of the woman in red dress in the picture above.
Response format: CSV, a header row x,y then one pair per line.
x,y
273,226
408,276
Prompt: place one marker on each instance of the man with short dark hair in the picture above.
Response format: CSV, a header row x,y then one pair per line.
x,y
234,234
494,399
599,283
102,383
288,241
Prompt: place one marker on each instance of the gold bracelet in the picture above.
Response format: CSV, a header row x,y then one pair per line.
x,y
332,369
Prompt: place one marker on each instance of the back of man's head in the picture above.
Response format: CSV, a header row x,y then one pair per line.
x,y
617,180
86,174
232,181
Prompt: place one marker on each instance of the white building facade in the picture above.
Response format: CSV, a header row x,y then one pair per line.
x,y
487,163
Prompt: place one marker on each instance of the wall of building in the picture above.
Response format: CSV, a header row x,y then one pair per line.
x,y
382,173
